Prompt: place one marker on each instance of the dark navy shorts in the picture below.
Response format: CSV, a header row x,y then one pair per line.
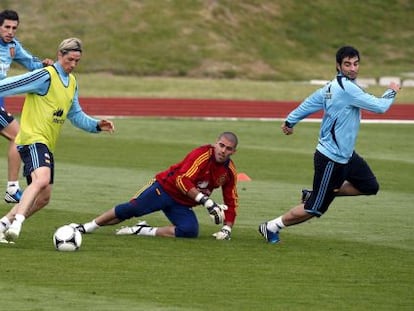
x,y
152,198
35,156
5,118
330,175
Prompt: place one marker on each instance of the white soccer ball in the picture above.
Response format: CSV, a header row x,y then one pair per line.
x,y
67,239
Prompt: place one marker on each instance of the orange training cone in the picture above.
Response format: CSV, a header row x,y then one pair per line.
x,y
243,177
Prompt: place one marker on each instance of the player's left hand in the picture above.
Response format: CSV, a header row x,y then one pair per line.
x,y
223,234
47,62
106,125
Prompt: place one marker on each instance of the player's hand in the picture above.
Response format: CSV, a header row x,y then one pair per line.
x,y
47,62
395,87
223,234
286,129
217,212
106,125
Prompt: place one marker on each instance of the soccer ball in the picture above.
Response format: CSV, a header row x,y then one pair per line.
x,y
67,239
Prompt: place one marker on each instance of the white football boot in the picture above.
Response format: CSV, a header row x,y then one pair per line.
x,y
132,230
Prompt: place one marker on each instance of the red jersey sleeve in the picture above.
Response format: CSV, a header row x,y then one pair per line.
x,y
230,196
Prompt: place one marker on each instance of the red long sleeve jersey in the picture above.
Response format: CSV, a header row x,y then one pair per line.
x,y
200,169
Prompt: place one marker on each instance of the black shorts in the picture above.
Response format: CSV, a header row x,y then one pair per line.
x,y
330,175
35,156
5,118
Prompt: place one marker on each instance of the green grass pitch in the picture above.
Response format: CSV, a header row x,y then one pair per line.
x,y
359,256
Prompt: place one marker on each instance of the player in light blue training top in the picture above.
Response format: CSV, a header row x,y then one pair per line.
x,y
12,51
338,169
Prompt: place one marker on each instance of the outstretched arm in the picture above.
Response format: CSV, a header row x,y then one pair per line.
x,y
366,101
310,105
83,121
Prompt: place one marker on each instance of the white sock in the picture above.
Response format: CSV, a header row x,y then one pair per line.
x,y
91,226
148,231
4,224
276,224
19,218
13,186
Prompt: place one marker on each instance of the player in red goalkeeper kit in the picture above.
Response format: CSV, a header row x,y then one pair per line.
x,y
177,190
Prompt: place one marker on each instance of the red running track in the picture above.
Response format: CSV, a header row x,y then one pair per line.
x,y
218,108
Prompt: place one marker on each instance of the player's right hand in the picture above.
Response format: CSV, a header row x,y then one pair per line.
x,y
287,130
217,212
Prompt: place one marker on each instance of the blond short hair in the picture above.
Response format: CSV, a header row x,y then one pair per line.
x,y
70,44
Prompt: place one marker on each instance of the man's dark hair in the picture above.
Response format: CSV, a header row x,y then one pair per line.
x,y
346,51
8,14
231,137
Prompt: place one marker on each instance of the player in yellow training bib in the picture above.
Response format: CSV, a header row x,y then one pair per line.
x,y
52,97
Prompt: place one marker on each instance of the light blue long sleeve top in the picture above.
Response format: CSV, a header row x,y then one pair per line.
x,y
38,82
14,51
341,101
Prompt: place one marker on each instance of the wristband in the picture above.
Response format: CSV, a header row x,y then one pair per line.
x,y
226,228
201,198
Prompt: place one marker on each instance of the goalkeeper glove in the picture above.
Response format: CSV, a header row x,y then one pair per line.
x,y
215,210
223,234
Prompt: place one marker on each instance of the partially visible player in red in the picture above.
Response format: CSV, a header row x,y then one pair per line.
x,y
177,190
